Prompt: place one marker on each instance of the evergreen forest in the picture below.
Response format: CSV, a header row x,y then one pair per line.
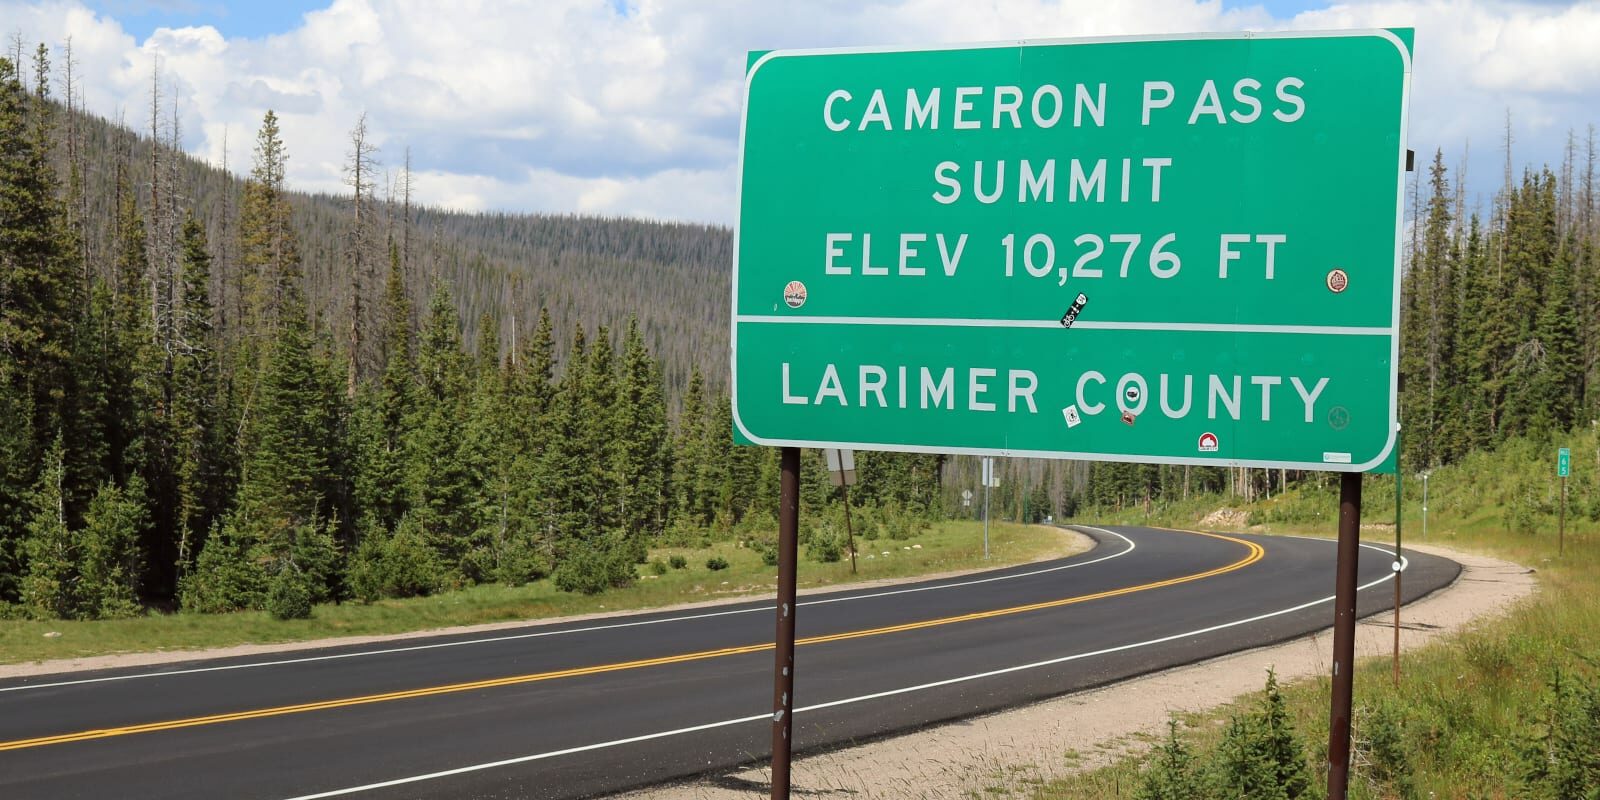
x,y
218,393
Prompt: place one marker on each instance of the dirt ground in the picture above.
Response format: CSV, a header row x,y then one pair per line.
x,y
1016,748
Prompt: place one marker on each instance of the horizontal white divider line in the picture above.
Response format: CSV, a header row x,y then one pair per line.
x,y
946,322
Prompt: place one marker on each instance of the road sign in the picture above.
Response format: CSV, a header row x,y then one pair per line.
x,y
841,466
1099,248
1563,462
991,477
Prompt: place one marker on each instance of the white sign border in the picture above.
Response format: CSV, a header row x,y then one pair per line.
x,y
1394,347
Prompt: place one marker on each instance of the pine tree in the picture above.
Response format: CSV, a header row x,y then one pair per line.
x,y
1531,249
1494,339
692,457
109,561
49,590
1558,381
269,251
1282,746
200,469
532,519
380,422
602,493
562,471
292,435
1170,773
439,477
536,386
16,449
128,342
642,439
36,299
487,444
1428,385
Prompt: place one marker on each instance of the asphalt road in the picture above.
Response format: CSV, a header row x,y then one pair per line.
x,y
581,709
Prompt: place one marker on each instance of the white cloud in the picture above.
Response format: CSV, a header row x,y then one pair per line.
x,y
568,105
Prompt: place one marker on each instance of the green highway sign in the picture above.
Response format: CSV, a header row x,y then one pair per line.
x,y
1177,249
1563,463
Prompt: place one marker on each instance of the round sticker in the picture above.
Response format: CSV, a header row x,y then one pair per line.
x,y
794,294
1337,281
1132,393
1338,418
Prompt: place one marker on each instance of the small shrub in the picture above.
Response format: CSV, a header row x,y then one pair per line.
x,y
1560,759
716,563
757,525
678,562
521,563
681,532
769,556
476,566
365,576
592,570
867,520
1170,773
658,567
1260,755
826,546
315,554
222,579
408,567
289,593
1381,738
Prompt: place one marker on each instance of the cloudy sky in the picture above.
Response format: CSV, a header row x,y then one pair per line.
x,y
631,107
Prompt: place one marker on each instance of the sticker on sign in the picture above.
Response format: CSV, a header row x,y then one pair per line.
x,y
1202,189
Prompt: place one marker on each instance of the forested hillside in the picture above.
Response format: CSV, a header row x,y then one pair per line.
x,y
674,277
216,394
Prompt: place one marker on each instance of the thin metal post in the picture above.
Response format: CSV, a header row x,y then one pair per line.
x,y
783,667
1561,535
986,520
1424,506
1344,634
1399,513
848,531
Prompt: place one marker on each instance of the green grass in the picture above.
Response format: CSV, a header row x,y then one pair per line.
x,y
946,546
1467,705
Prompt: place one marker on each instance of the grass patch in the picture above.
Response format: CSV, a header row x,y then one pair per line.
x,y
946,546
1468,717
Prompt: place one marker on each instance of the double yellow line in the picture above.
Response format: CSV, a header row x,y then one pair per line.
x,y
1255,553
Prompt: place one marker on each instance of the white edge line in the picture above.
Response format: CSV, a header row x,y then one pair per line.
x,y
1093,325
830,704
537,757
589,629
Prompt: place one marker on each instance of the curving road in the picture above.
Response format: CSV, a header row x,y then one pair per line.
x,y
585,708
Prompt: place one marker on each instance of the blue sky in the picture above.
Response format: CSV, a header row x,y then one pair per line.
x,y
249,20
253,20
632,107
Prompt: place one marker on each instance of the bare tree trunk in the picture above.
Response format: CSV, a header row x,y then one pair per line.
x,y
358,243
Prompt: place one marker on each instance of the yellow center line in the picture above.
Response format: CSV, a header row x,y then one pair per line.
x,y
1255,554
